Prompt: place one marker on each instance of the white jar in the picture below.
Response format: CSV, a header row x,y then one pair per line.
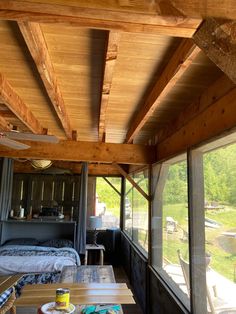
x,y
22,212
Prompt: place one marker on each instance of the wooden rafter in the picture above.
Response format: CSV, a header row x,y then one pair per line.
x,y
134,184
108,18
12,100
207,118
178,64
36,43
110,61
85,151
217,40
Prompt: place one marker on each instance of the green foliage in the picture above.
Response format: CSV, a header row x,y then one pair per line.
x,y
175,190
220,175
106,194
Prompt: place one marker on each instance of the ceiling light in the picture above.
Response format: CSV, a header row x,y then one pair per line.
x,y
41,163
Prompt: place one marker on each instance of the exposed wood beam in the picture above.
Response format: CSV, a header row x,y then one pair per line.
x,y
106,17
213,93
202,8
128,177
178,64
74,167
85,151
217,39
218,117
4,125
12,100
110,61
36,43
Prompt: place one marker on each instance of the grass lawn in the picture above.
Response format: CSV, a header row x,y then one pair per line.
x,y
222,261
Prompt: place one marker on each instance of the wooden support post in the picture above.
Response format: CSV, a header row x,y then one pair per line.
x,y
197,232
158,183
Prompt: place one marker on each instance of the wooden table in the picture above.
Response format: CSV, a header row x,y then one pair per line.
x,y
7,282
80,281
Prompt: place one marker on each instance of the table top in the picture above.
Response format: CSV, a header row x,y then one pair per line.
x,y
88,274
7,282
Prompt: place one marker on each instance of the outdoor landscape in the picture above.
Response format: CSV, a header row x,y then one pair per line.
x,y
220,206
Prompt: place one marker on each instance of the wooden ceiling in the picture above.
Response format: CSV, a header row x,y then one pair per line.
x,y
101,71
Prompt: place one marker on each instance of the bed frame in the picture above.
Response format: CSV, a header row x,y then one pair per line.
x,y
41,230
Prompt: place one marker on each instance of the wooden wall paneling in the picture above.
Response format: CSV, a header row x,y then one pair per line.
x,y
58,190
17,192
48,191
76,196
139,278
37,193
29,190
69,195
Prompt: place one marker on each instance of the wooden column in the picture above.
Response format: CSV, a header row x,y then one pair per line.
x,y
159,178
197,232
122,204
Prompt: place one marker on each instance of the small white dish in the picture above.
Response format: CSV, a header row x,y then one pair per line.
x,y
48,308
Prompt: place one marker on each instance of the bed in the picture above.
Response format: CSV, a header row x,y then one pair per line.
x,y
42,262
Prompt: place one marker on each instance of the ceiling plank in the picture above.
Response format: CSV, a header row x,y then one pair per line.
x,y
217,40
178,64
207,122
12,100
130,179
101,18
37,46
74,167
85,151
110,61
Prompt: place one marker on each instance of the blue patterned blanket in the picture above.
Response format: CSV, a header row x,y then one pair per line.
x,y
43,264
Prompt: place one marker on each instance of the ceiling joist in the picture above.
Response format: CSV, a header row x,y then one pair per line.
x,y
85,151
178,64
113,17
110,61
37,46
67,167
12,100
217,40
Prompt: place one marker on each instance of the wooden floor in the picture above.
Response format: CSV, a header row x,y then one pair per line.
x,y
120,277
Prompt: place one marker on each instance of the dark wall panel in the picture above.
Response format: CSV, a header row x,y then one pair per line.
x,y
139,277
160,300
125,253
